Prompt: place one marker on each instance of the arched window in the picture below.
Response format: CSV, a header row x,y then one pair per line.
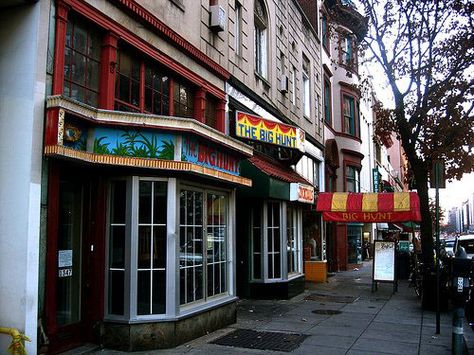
x,y
261,38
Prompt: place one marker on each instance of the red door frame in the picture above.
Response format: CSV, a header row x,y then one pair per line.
x,y
93,261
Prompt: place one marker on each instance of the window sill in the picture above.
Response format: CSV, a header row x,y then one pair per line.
x,y
264,81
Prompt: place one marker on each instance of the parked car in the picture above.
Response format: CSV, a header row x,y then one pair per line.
x,y
467,242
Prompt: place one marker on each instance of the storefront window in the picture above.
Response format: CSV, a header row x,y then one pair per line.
x,y
273,240
146,236
293,246
151,270
202,257
256,235
354,240
117,231
183,100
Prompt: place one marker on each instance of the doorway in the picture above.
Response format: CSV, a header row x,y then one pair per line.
x,y
74,284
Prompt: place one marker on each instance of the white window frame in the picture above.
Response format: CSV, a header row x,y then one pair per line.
x,y
306,88
229,248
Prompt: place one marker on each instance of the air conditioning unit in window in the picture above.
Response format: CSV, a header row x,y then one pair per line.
x,y
218,18
284,83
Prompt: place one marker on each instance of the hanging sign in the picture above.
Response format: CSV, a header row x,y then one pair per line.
x,y
301,193
369,207
259,129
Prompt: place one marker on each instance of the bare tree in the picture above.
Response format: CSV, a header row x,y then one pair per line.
x,y
426,51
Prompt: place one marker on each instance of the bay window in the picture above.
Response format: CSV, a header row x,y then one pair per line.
x,y
202,256
349,115
352,179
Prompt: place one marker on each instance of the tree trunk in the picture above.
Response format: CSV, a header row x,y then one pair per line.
x,y
426,226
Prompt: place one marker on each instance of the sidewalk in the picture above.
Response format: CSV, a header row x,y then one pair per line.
x,y
341,316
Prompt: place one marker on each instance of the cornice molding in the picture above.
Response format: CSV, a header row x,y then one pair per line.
x,y
147,121
104,159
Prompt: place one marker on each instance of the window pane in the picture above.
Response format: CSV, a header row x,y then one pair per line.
x,y
118,202
80,39
144,239
160,203
117,247
159,292
116,292
144,210
159,247
143,292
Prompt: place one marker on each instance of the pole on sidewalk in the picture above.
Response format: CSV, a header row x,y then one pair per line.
x,y
437,166
458,332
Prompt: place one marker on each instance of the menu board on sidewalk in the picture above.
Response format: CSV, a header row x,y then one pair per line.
x,y
384,261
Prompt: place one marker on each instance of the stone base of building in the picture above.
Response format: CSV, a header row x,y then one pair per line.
x,y
166,334
277,290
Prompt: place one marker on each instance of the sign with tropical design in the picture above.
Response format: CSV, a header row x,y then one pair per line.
x,y
133,143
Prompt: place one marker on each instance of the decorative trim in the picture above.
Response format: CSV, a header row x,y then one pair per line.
x,y
146,121
61,115
103,159
353,153
139,12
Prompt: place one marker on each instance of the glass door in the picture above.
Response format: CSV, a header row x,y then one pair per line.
x,y
68,277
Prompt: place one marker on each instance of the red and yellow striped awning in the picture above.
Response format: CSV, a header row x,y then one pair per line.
x,y
369,207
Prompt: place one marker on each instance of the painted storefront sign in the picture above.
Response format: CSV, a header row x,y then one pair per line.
x,y
209,155
302,193
257,128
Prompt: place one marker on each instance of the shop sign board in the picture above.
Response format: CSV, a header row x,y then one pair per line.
x,y
259,129
301,193
209,155
384,261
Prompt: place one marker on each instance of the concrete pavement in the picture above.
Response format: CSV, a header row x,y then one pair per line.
x,y
341,316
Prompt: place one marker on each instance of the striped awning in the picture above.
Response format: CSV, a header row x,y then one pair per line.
x,y
369,207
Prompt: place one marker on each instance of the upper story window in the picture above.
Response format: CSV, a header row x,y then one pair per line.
x,y
306,88
352,179
347,51
325,32
183,100
261,38
141,86
349,115
238,28
309,169
327,101
81,63
210,113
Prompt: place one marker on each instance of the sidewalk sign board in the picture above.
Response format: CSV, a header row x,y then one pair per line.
x,y
384,269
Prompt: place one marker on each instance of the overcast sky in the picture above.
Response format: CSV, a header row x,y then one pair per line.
x,y
455,192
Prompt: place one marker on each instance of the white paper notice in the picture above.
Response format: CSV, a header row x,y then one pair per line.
x,y
64,258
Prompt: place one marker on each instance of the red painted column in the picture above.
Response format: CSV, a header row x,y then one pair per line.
x,y
62,11
51,130
200,105
220,116
108,66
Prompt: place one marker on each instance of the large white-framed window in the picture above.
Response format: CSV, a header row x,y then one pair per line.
x,y
137,248
293,242
274,226
261,39
151,248
309,169
203,244
306,88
